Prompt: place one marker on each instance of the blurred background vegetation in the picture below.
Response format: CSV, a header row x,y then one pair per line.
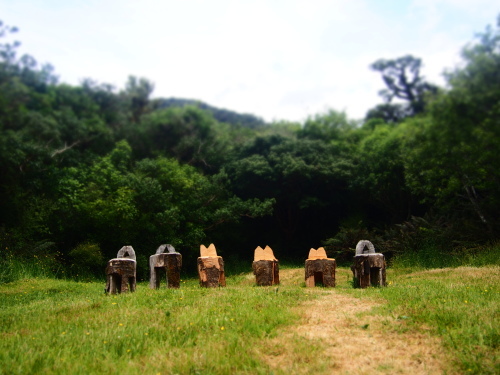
x,y
87,169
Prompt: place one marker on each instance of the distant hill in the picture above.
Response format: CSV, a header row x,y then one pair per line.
x,y
221,115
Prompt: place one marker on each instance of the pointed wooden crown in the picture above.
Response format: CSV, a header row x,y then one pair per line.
x,y
263,254
208,251
317,254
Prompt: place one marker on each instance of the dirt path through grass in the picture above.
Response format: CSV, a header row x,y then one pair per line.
x,y
344,335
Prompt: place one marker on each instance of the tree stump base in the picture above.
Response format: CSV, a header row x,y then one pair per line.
x,y
320,271
120,275
369,270
266,272
171,264
121,272
211,272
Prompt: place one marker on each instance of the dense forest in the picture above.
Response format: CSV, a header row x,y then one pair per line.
x,y
87,169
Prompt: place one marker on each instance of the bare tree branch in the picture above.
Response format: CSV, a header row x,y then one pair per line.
x,y
64,149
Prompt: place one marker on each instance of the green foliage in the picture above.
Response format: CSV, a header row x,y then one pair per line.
x,y
86,260
188,134
329,127
380,172
392,113
307,178
342,246
452,157
221,115
136,94
88,164
403,81
147,203
39,261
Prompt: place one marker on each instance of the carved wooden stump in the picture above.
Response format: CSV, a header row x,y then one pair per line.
x,y
320,269
211,268
265,267
369,267
170,263
121,272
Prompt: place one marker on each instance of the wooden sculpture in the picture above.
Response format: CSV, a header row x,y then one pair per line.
x,y
320,269
369,267
265,267
210,267
121,272
165,260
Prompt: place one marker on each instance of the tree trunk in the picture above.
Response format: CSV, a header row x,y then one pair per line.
x,y
369,270
120,275
211,272
320,271
266,272
171,263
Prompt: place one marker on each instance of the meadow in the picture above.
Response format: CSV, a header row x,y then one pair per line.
x,y
57,326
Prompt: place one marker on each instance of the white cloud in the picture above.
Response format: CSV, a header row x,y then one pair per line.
x,y
277,59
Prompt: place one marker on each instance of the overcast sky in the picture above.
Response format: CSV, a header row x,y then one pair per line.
x,y
279,60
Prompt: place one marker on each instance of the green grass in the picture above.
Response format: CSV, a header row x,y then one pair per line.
x,y
431,257
15,268
60,327
461,305
55,326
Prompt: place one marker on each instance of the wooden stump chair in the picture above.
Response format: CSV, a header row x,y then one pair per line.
x,y
265,267
369,267
165,260
121,272
320,269
210,268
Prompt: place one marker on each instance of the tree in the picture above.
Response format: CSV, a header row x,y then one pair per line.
x,y
329,127
189,134
380,171
392,113
137,92
8,50
403,80
307,178
453,153
145,203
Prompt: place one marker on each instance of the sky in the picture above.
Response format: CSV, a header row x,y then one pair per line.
x,y
276,59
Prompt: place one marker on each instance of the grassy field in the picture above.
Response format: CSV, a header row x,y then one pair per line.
x,y
51,326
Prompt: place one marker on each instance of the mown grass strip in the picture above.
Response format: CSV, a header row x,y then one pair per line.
x,y
461,305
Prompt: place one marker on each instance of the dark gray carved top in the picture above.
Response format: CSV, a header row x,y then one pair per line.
x,y
362,245
126,252
170,249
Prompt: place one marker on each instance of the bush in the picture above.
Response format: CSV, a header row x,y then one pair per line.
x,y
86,260
342,247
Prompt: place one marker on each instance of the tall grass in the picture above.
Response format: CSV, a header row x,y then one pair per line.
x,y
14,268
432,257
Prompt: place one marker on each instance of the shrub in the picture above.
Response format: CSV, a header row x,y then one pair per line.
x,y
86,260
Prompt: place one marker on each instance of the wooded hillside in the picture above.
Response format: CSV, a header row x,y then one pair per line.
x,y
87,169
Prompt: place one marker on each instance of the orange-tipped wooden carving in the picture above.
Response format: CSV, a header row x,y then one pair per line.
x,y
211,267
208,251
263,254
317,254
320,269
265,267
